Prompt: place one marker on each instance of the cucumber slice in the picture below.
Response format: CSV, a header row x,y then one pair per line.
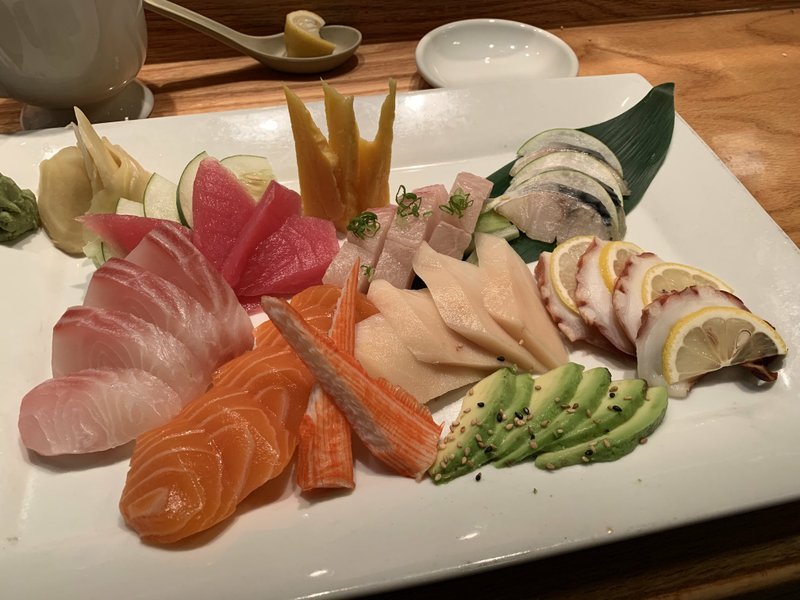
x,y
129,207
255,172
159,199
185,189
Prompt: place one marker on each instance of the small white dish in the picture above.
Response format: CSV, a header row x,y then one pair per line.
x,y
474,51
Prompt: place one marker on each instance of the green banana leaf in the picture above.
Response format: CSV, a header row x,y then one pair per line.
x,y
640,137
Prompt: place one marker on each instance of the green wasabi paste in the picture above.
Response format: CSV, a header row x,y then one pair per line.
x,y
18,212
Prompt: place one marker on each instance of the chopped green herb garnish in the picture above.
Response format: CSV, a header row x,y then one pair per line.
x,y
369,271
458,204
407,202
364,225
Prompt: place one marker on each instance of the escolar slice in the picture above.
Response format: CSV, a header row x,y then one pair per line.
x,y
716,337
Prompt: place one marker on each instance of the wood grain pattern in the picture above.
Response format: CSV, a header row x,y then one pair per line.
x,y
738,85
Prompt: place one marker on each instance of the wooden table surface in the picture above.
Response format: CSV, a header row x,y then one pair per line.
x,y
737,79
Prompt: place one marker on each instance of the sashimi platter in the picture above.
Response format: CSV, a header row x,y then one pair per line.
x,y
340,347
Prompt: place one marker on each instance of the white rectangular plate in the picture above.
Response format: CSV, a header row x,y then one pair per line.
x,y
729,447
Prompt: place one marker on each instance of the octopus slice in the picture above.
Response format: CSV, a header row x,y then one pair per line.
x,y
627,295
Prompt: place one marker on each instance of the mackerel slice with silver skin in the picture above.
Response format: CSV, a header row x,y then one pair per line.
x,y
576,180
554,212
527,166
570,139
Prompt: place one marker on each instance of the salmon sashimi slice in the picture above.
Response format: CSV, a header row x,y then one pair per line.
x,y
169,253
90,338
392,424
191,473
325,449
94,410
316,304
278,380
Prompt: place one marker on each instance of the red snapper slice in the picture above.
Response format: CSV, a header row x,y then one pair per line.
x,y
392,424
94,410
123,286
168,252
291,259
90,338
277,204
221,208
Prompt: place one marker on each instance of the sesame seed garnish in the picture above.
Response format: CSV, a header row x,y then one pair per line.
x,y
526,410
589,452
468,409
616,408
489,449
537,387
585,459
500,417
613,388
519,422
473,422
565,406
544,423
533,444
478,437
481,405
501,358
559,431
571,411
463,428
442,446
509,426
550,466
628,398
481,445
452,456
606,443
576,405
643,440
478,476
437,477
588,414
459,445
490,432
467,450
470,464
611,394
463,460
472,391
518,415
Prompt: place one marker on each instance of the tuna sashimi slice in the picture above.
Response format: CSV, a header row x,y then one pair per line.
x,y
191,473
221,207
124,286
89,338
291,259
396,428
168,253
94,410
122,232
277,204
325,450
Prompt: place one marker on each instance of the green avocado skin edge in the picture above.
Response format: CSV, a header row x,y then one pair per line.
x,y
567,416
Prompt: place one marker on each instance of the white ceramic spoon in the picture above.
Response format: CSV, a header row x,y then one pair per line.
x,y
269,49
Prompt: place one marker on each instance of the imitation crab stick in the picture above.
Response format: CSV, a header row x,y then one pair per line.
x,y
325,449
390,422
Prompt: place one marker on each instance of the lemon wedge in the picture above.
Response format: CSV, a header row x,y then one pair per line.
x,y
564,268
715,337
667,277
301,34
613,257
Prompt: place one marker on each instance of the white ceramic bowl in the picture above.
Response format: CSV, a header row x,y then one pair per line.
x,y
474,51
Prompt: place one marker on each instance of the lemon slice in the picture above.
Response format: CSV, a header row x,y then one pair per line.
x,y
564,268
301,34
715,337
667,277
613,257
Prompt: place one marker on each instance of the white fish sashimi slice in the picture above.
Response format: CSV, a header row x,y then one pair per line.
x,y
553,212
449,240
383,354
418,325
511,297
569,322
659,317
396,264
373,243
594,299
456,291
169,253
92,338
342,263
123,286
94,410
627,295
